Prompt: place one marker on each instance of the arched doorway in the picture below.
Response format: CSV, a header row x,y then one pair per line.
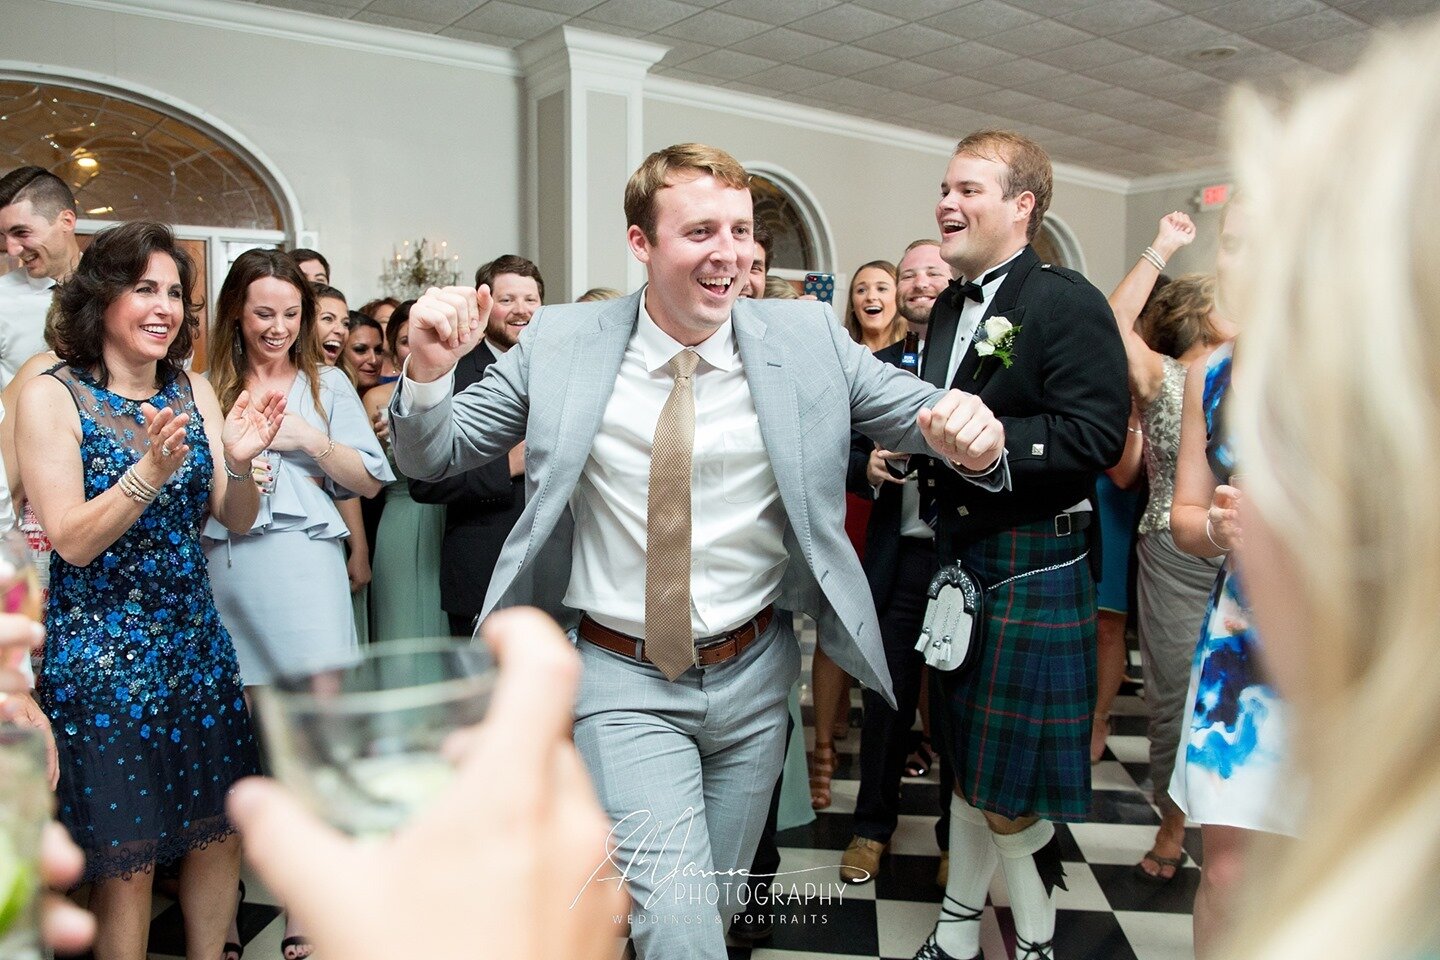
x,y
129,154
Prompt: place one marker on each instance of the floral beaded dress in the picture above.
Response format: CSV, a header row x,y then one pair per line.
x,y
140,680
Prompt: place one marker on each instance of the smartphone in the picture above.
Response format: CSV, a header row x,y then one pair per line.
x,y
821,286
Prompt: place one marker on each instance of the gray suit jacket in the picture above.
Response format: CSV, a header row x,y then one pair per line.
x,y
811,384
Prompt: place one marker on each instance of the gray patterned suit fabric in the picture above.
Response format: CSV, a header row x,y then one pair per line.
x,y
810,384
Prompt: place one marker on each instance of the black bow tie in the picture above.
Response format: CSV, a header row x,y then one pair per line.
x,y
976,291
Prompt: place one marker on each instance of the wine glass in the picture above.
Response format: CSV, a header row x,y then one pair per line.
x,y
362,744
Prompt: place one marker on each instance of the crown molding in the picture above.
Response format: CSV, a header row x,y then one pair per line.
x,y
1188,178
314,28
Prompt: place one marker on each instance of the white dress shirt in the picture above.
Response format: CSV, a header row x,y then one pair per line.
x,y
970,314
23,305
737,530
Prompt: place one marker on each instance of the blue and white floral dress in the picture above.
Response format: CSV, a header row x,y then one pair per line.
x,y
1231,768
140,680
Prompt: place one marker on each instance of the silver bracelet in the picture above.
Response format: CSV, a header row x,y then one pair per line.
x,y
244,475
1209,535
1157,261
328,450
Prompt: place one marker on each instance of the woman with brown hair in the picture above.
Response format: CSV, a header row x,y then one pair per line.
x,y
122,453
263,338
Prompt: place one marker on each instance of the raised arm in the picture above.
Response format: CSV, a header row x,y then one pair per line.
x,y
1146,368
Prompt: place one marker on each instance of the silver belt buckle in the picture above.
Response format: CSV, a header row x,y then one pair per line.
x,y
1066,528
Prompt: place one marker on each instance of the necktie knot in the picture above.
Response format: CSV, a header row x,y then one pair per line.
x,y
684,364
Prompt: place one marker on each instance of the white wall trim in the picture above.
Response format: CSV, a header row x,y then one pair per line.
x,y
171,106
314,28
810,209
1169,181
669,90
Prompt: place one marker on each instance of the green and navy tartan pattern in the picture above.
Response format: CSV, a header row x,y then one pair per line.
x,y
1020,718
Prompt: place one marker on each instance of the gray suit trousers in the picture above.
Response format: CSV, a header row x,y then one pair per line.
x,y
685,771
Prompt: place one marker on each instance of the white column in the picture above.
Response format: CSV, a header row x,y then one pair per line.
x,y
584,95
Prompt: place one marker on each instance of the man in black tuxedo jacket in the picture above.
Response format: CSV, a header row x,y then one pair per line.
x,y
1038,343
482,505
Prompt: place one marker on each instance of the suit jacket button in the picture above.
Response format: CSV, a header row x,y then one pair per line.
x,y
930,482
964,511
1037,449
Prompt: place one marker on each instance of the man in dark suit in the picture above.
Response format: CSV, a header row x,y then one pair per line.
x,y
899,562
481,505
1038,343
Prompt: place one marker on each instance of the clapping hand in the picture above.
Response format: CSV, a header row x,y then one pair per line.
x,y
165,430
445,324
962,429
250,427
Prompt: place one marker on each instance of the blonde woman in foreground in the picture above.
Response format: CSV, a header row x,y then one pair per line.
x,y
1337,425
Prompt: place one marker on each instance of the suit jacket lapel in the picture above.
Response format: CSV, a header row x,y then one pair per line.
x,y
773,392
596,354
1002,304
939,342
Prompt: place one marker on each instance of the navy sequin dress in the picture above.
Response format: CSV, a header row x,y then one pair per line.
x,y
140,680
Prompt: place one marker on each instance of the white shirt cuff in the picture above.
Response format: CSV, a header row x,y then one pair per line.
x,y
417,397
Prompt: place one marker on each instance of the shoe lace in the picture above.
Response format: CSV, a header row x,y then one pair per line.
x,y
960,913
1037,950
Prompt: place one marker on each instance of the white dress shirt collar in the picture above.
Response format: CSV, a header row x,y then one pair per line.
x,y
659,348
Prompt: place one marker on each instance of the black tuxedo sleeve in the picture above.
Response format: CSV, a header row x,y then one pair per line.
x,y
857,480
490,485
1081,431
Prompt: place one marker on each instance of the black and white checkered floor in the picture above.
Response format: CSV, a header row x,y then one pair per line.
x,y
1106,914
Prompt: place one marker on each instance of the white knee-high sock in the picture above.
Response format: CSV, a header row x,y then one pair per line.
x,y
1032,872
973,859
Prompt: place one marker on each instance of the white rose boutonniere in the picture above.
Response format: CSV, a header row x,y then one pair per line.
x,y
996,339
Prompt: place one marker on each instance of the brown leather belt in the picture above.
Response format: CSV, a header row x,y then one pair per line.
x,y
708,650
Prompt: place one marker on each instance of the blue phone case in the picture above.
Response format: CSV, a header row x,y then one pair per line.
x,y
821,286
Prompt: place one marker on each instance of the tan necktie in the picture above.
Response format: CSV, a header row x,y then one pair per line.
x,y
669,642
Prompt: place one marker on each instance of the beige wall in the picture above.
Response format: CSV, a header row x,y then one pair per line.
x,y
1143,217
877,197
377,148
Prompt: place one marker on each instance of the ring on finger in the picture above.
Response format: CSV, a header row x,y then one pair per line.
x,y
164,449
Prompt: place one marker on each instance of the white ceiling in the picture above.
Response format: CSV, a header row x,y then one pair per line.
x,y
1107,84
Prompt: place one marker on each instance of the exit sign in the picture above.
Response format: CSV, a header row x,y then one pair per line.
x,y
1212,197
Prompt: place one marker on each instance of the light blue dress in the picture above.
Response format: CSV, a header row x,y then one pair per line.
x,y
281,588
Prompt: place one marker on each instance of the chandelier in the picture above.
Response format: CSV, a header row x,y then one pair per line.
x,y
411,269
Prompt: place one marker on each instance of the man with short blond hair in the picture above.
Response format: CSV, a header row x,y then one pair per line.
x,y
686,455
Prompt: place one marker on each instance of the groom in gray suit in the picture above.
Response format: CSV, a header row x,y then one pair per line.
x,y
685,472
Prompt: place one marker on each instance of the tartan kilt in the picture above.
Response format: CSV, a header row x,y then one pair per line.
x,y
1019,719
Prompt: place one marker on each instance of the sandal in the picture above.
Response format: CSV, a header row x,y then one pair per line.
x,y
234,950
1159,879
822,768
920,760
298,944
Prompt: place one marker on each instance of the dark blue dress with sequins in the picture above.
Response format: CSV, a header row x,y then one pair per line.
x,y
139,679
